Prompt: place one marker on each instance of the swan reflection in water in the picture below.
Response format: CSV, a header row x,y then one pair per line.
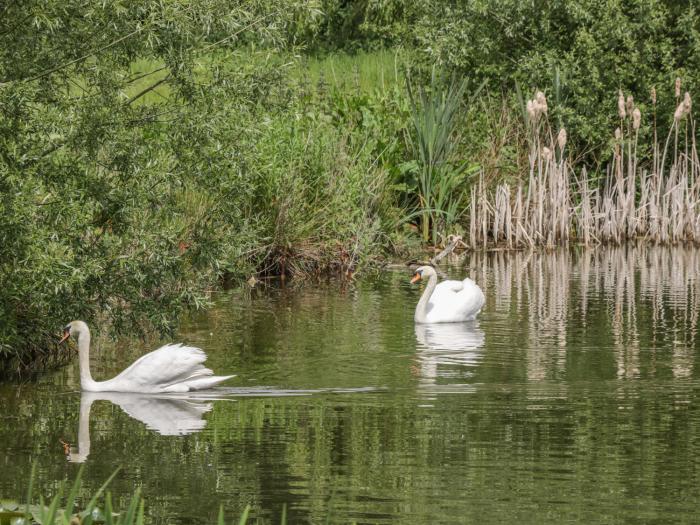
x,y
447,352
167,415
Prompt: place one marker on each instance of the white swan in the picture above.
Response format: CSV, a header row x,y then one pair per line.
x,y
170,368
447,302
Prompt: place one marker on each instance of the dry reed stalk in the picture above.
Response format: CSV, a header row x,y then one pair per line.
x,y
659,204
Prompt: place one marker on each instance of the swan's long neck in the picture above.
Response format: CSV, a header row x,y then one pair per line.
x,y
83,451
422,307
86,381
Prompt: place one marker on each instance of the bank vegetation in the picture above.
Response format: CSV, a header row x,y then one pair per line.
x,y
150,151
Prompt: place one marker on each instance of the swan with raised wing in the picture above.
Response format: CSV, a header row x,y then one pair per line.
x,y
170,368
447,302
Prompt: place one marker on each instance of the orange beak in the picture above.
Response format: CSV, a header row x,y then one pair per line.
x,y
66,335
416,278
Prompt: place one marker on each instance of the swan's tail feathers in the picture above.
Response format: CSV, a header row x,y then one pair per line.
x,y
202,383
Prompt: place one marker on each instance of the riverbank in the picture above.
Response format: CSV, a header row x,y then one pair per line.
x,y
144,164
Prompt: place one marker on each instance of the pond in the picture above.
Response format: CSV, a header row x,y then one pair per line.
x,y
575,396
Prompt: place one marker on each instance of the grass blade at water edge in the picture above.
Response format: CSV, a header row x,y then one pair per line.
x,y
68,509
244,516
31,488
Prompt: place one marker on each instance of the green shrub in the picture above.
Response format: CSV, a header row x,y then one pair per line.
x,y
579,53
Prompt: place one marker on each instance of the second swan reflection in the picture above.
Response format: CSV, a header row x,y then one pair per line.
x,y
447,355
168,416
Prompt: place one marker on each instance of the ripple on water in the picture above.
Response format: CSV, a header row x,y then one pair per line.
x,y
574,397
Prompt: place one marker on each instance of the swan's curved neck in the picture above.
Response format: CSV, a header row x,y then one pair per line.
x,y
83,451
422,307
86,381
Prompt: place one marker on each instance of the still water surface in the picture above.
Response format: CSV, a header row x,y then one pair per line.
x,y
574,397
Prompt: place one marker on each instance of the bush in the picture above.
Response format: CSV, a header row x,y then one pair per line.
x,y
134,177
580,54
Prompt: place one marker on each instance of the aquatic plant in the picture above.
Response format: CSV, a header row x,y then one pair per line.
x,y
441,175
60,509
653,200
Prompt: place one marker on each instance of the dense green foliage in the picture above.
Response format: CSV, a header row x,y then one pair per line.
x,y
351,25
149,149
144,155
579,53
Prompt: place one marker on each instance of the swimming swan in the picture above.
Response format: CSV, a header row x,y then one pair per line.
x,y
447,302
170,368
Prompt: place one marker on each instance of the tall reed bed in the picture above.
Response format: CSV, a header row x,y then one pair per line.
x,y
655,200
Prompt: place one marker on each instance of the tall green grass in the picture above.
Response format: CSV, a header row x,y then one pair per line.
x,y
441,174
62,508
360,72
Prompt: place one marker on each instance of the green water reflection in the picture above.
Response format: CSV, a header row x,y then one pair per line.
x,y
574,397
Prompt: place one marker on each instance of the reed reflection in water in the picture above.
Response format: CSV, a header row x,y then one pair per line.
x,y
561,293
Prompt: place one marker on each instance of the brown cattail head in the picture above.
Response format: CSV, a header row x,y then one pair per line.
x,y
679,113
653,95
630,103
678,87
531,111
561,139
618,134
621,105
636,118
546,154
541,101
687,102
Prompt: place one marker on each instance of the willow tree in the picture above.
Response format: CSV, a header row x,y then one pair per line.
x,y
118,168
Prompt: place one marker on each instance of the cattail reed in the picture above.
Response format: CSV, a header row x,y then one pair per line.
x,y
655,201
561,139
636,119
532,113
542,102
621,106
680,112
678,87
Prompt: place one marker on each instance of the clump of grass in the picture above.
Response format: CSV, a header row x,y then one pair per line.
x,y
60,509
434,114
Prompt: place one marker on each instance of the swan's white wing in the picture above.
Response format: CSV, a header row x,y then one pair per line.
x,y
454,301
447,288
168,365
